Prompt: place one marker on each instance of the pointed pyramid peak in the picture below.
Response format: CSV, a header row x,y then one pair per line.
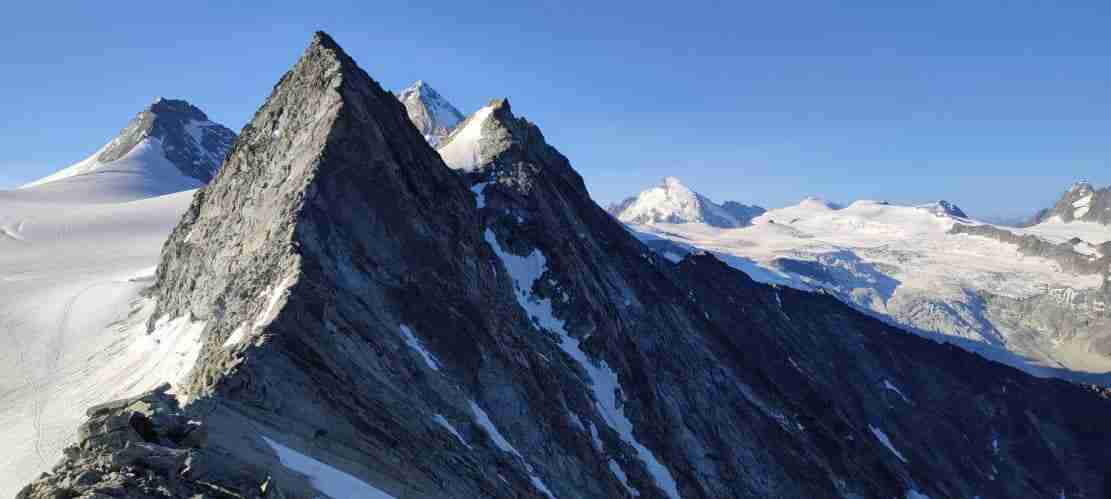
x,y
327,138
324,40
323,50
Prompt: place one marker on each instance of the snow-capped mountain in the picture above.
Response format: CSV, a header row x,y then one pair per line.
x,y
1081,203
674,203
350,317
75,249
170,146
430,112
1027,297
471,143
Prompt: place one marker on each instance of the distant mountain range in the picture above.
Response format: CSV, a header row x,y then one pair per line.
x,y
1032,297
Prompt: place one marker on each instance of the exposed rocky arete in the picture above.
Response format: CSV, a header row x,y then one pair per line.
x,y
378,325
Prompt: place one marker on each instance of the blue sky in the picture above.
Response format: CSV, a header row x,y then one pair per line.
x,y
995,106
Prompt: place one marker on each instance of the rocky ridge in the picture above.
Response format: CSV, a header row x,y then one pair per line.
x,y
494,333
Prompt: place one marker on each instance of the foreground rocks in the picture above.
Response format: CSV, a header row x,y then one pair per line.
x,y
139,447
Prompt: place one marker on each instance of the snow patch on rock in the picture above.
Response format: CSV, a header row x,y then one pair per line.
x,y
415,344
328,480
462,150
882,437
603,381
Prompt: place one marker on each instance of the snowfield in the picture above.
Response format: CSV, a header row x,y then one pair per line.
x,y
72,264
142,173
1057,231
900,264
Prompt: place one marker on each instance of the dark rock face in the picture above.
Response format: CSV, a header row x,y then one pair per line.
x,y
366,308
190,141
1080,202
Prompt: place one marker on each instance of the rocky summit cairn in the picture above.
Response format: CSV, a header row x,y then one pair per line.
x,y
379,325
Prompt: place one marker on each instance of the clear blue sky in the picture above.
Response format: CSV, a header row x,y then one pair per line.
x,y
995,106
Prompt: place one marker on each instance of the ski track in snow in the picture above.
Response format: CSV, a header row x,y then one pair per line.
x,y
71,268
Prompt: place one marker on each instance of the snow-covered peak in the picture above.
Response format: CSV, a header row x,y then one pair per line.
x,y
429,111
169,146
462,150
1081,202
673,202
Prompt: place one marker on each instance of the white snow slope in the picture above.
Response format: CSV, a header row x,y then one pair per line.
x,y
899,263
71,267
462,149
143,172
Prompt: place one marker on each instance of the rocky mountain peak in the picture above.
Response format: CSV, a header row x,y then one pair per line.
x,y
164,109
188,139
1081,202
673,202
373,318
171,145
430,112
